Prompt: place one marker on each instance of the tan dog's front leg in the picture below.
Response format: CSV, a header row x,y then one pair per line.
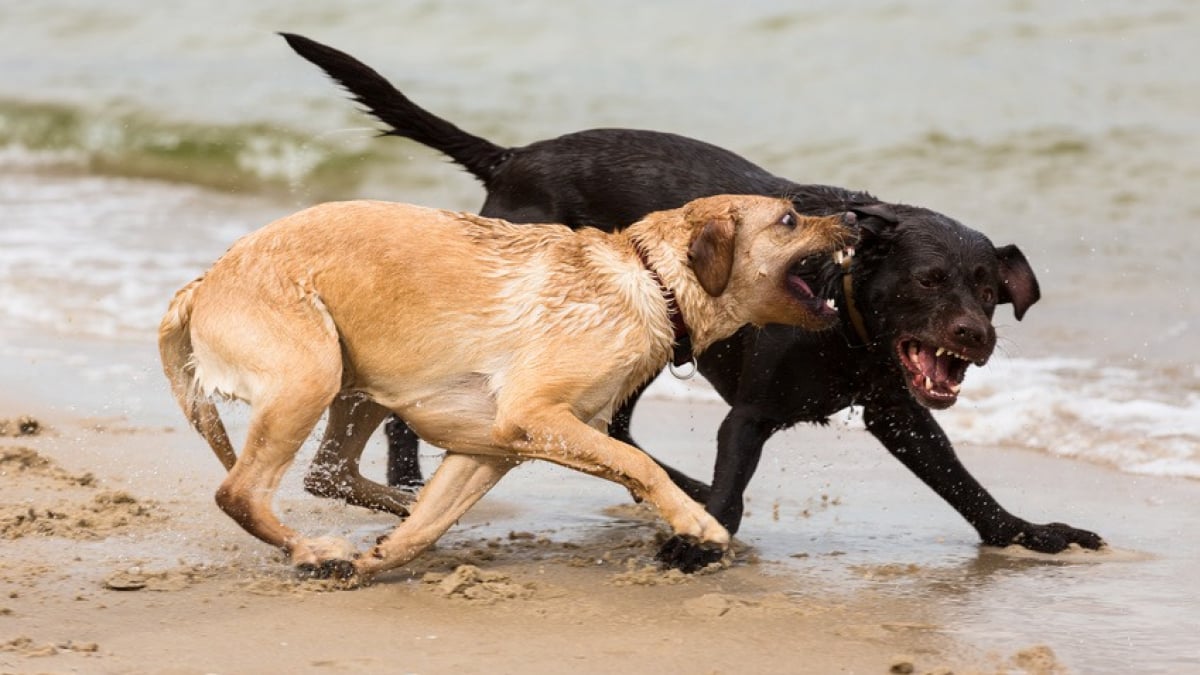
x,y
552,433
459,481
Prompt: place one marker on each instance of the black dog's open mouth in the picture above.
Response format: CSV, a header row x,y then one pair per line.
x,y
935,374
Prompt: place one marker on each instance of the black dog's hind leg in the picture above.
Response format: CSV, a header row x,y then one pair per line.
x,y
911,434
619,429
403,466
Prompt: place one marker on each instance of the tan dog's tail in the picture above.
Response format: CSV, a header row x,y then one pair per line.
x,y
175,348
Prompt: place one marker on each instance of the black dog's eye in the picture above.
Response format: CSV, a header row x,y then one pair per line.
x,y
988,295
932,279
788,220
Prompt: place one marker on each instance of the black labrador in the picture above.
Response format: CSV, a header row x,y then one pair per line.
x,y
916,302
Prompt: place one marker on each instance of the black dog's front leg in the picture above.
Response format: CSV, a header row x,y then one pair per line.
x,y
910,433
619,429
747,370
740,443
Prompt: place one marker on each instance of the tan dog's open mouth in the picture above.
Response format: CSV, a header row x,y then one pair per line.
x,y
823,310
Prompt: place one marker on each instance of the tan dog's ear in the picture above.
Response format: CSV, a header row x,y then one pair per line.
x,y
711,252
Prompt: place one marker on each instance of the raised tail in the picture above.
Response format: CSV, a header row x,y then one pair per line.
x,y
175,348
405,118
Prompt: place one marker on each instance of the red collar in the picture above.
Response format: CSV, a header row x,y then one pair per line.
x,y
683,339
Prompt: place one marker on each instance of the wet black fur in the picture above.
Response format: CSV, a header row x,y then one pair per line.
x,y
917,272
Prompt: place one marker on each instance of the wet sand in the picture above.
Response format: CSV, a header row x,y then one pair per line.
x,y
117,560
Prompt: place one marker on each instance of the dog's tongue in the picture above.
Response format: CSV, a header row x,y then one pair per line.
x,y
941,374
936,368
804,293
800,287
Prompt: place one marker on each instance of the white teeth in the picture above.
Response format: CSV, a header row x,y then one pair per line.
x,y
850,251
955,388
913,352
831,304
928,384
943,350
839,257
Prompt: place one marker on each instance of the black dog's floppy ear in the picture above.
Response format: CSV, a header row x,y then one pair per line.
x,y
711,252
875,218
1018,284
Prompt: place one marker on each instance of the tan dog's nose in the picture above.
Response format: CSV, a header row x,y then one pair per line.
x,y
850,222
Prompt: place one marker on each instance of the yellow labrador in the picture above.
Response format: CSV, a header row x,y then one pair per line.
x,y
497,342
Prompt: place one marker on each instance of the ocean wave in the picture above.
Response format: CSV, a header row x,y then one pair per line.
x,y
1137,421
265,157
252,157
1144,421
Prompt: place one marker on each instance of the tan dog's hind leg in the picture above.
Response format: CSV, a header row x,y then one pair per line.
x,y
278,427
554,434
455,486
335,471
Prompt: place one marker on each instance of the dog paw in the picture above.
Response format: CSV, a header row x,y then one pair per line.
x,y
1053,537
688,554
338,570
315,553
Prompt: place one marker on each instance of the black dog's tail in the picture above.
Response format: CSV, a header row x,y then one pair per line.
x,y
405,118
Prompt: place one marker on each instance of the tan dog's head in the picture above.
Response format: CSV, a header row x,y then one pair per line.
x,y
751,249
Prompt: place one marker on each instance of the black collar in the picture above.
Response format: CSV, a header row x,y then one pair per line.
x,y
856,317
683,339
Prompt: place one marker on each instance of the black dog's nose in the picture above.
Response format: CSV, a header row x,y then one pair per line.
x,y
971,333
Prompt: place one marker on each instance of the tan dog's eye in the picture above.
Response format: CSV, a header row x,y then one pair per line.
x,y
788,220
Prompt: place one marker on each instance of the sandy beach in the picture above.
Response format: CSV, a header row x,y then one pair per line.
x,y
118,561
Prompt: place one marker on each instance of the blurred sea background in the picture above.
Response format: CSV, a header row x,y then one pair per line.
x,y
138,140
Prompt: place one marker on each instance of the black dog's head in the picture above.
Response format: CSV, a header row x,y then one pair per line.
x,y
927,287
